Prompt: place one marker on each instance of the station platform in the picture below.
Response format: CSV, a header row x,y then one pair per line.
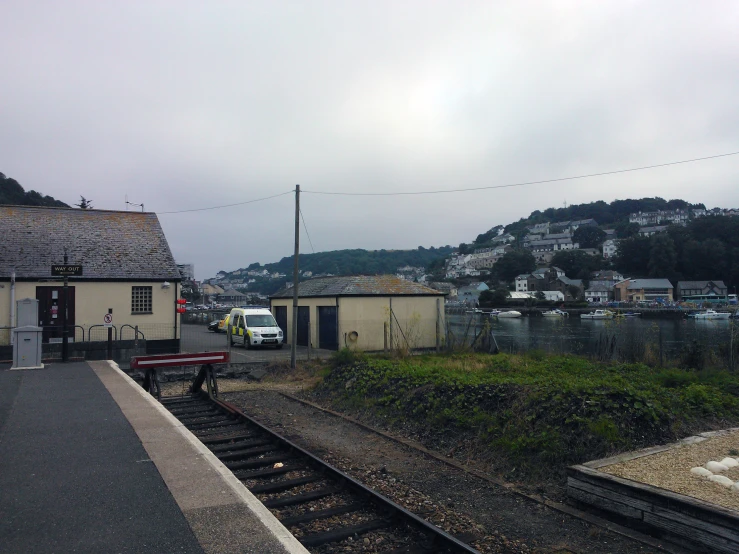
x,y
90,462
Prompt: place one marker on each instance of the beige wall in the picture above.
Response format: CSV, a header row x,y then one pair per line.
x,y
92,301
416,316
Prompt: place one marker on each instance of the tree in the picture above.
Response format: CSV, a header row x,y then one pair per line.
x,y
633,256
84,204
577,264
662,257
704,260
589,237
514,263
625,229
499,296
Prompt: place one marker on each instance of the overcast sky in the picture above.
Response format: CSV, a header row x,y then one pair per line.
x,y
184,105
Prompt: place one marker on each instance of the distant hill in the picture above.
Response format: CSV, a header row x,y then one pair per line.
x,y
354,262
11,192
603,212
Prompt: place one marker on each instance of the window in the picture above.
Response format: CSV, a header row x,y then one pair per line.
x,y
141,300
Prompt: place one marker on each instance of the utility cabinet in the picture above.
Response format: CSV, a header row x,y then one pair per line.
x,y
27,336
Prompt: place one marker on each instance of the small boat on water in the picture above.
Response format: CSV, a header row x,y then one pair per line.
x,y
632,314
474,311
709,314
555,313
598,314
508,314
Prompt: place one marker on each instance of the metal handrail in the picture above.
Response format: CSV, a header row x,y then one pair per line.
x,y
89,331
83,331
135,331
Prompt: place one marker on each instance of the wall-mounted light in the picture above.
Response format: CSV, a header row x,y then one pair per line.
x,y
165,285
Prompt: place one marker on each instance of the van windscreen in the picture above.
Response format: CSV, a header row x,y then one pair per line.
x,y
260,321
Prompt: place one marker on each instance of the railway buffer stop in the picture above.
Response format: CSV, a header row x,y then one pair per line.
x,y
207,374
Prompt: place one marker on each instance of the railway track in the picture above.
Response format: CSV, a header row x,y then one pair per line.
x,y
326,510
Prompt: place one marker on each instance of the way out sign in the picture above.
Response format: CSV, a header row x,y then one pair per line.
x,y
108,320
66,270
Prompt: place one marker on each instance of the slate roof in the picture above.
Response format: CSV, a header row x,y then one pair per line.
x,y
638,284
364,285
108,244
599,288
682,285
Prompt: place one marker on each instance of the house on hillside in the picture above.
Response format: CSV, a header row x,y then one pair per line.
x,y
599,293
470,294
649,231
367,313
639,290
702,291
127,268
449,289
610,247
232,296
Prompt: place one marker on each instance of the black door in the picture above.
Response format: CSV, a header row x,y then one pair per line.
x,y
327,328
51,312
281,317
303,325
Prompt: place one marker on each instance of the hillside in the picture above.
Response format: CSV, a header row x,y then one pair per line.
x,y
342,262
12,193
608,214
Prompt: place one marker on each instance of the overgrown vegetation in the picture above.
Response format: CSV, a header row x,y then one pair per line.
x,y
531,415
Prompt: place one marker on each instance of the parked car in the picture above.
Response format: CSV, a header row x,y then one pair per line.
x,y
219,325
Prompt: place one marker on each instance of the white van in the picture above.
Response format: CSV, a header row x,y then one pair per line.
x,y
252,327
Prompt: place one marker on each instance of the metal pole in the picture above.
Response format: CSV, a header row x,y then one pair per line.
x,y
391,324
65,331
110,338
294,342
438,325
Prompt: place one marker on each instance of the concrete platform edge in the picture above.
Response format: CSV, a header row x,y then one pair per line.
x,y
242,495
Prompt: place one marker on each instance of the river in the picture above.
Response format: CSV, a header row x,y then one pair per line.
x,y
573,335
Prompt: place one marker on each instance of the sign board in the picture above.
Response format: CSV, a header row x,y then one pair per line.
x,y
108,320
66,270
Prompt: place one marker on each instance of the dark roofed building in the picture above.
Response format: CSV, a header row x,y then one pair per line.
x,y
127,267
687,289
364,312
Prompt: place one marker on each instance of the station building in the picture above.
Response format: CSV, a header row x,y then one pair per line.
x,y
127,267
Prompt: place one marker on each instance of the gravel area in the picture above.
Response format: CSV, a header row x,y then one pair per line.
x,y
671,469
489,517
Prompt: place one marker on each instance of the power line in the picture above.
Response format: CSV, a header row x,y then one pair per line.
x,y
306,231
228,205
520,184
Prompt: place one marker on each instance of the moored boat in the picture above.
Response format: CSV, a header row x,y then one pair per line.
x,y
555,313
710,314
598,314
508,314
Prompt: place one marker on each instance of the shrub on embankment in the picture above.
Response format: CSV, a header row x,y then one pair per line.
x,y
532,413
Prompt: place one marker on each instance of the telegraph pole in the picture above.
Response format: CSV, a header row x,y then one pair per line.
x,y
294,333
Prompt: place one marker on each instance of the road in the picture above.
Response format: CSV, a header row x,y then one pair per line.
x,y
197,338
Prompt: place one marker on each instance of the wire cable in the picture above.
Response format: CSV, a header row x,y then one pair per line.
x,y
306,230
519,184
228,205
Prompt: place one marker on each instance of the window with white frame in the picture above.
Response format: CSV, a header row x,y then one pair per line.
x,y
141,300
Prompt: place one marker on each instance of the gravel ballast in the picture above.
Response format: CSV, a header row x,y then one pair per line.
x,y
489,517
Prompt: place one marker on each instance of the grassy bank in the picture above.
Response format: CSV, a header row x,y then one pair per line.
x,y
530,415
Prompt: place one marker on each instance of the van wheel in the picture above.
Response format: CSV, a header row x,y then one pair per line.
x,y
232,341
247,343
